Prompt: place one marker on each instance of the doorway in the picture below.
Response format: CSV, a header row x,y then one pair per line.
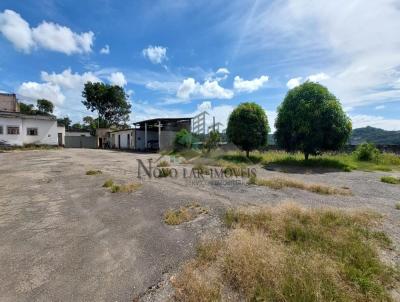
x,y
129,141
60,143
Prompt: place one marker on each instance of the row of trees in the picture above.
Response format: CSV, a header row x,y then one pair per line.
x,y
310,120
42,107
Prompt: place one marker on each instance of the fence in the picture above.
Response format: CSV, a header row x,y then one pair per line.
x,y
89,142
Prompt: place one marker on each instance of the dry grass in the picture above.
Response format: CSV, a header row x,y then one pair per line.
x,y
163,163
201,169
290,254
108,183
280,183
94,172
390,180
184,214
397,206
126,188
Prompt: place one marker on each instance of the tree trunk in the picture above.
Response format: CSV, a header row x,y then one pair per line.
x,y
247,153
306,156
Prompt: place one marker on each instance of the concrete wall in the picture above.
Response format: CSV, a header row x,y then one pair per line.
x,y
8,102
46,131
73,133
167,139
89,142
151,135
61,129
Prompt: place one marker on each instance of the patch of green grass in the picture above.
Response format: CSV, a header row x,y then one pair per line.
x,y
288,253
164,172
280,183
397,206
94,172
108,183
390,180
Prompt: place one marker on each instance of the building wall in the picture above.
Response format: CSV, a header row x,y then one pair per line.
x,y
8,102
140,143
46,131
61,129
67,133
89,142
167,139
123,139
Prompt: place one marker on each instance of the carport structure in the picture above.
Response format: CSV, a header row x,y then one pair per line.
x,y
159,133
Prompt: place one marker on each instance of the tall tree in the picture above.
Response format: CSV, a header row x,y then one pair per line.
x,y
311,120
110,102
26,108
248,127
45,106
65,121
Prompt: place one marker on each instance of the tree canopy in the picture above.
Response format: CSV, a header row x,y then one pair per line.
x,y
311,120
248,127
109,101
45,106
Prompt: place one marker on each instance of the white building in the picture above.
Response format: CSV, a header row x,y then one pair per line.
x,y
18,129
123,139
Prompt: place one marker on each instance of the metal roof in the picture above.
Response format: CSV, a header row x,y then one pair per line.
x,y
163,119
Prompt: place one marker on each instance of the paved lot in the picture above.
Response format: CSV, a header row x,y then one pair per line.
x,y
63,237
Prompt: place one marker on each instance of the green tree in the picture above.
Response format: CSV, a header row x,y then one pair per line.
x,y
248,127
183,139
109,101
45,106
311,120
88,120
26,108
65,121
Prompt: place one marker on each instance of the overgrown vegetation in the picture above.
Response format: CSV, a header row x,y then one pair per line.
x,y
108,183
163,163
280,183
28,147
183,214
94,172
390,180
289,254
367,152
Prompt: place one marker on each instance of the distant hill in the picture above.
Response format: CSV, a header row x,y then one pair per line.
x,y
375,135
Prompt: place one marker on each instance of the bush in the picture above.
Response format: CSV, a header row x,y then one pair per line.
x,y
212,141
367,152
390,180
108,183
163,163
183,140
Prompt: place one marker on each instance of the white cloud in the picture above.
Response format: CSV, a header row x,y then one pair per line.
x,y
292,83
16,30
48,91
249,85
204,106
46,35
222,70
69,80
105,50
318,77
361,120
189,88
117,78
380,107
156,54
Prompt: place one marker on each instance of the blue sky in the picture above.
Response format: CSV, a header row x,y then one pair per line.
x,y
177,58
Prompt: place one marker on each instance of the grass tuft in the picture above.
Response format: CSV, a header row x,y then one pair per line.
x,y
288,253
184,214
390,180
94,172
163,163
280,183
126,188
108,183
397,206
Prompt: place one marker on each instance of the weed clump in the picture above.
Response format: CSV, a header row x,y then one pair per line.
x,y
108,183
390,180
94,172
183,214
163,163
126,188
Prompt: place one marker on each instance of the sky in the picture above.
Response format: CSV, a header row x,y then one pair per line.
x,y
179,58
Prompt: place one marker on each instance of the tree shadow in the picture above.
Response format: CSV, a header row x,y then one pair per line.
x,y
310,166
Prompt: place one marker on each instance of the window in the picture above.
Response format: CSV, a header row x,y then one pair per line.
x,y
12,130
32,131
1,129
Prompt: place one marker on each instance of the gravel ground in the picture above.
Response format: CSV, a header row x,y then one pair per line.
x,y
63,237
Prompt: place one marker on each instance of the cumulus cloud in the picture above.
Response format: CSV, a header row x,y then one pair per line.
x,y
362,120
380,107
204,106
105,50
189,88
156,54
69,80
249,85
48,91
117,78
47,35
318,77
292,83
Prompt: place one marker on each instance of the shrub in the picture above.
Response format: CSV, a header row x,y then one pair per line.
x,y
163,163
397,206
367,152
212,141
390,180
108,183
183,140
